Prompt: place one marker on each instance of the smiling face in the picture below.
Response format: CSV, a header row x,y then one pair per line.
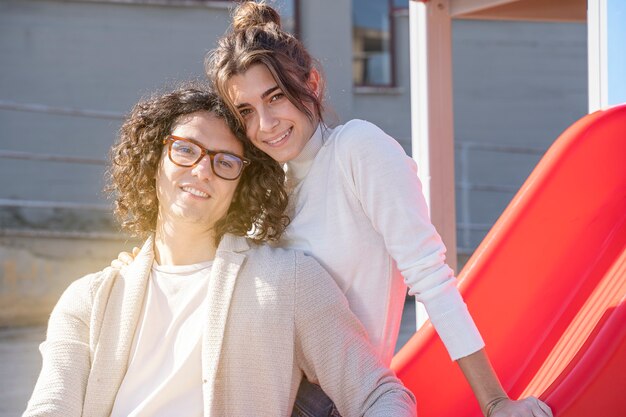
x,y
273,123
195,194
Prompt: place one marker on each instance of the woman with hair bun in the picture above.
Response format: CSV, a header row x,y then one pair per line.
x,y
356,204
356,201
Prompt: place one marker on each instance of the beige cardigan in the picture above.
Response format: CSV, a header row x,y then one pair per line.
x,y
273,314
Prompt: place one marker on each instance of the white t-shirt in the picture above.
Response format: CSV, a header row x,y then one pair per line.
x,y
164,376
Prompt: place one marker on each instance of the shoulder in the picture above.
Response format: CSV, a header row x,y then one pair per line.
x,y
291,272
284,260
297,270
361,149
357,139
80,294
278,255
357,130
275,263
91,283
269,252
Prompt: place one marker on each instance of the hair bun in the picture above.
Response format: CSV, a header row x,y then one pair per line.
x,y
250,13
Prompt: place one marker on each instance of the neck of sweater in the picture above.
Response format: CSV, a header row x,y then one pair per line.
x,y
298,168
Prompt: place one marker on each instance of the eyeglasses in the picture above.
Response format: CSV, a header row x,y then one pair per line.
x,y
187,153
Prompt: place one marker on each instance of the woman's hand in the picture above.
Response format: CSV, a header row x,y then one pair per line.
x,y
489,392
124,259
527,407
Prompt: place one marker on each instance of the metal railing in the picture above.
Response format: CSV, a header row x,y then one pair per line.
x,y
67,159
465,225
59,110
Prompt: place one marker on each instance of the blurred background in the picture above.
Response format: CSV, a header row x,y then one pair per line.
x,y
70,70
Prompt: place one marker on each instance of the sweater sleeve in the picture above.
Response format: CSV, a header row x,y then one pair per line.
x,y
60,388
332,349
384,179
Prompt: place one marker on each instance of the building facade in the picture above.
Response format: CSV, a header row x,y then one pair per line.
x,y
71,69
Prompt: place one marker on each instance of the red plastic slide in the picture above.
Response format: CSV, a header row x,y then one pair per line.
x,y
547,287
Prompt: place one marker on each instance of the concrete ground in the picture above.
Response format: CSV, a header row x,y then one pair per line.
x,y
20,361
20,364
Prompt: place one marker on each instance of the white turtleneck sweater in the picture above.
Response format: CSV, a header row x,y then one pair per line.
x,y
358,208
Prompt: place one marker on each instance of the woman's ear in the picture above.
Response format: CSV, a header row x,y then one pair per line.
x,y
315,82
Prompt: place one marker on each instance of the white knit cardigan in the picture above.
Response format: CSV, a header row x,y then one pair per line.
x,y
273,315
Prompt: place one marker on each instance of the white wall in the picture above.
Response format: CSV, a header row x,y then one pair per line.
x,y
90,57
515,84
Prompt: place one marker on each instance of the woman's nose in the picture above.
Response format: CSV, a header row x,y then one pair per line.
x,y
204,168
267,120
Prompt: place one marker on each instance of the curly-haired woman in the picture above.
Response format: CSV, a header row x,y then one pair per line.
x,y
207,321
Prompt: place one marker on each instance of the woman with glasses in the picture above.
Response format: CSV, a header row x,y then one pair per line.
x,y
356,201
208,321
188,153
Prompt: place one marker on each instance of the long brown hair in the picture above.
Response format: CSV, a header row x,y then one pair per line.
x,y
257,38
259,202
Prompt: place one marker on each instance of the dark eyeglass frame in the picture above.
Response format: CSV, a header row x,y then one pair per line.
x,y
169,141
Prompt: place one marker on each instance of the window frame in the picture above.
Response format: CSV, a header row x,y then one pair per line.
x,y
393,12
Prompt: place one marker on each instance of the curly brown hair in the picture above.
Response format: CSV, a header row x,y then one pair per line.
x,y
258,206
257,38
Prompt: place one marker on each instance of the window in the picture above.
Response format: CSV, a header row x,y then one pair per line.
x,y
372,44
